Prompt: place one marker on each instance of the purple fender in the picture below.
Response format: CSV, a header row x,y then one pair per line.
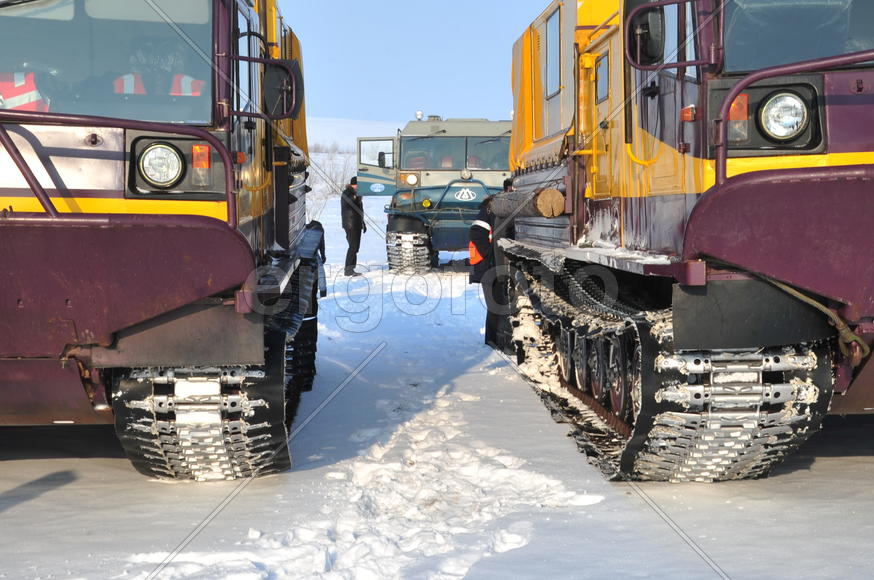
x,y
811,228
76,281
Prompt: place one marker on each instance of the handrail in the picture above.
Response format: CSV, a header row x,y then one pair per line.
x,y
38,118
603,26
643,162
34,184
774,71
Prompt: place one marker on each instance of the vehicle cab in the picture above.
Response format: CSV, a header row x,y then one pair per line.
x,y
437,172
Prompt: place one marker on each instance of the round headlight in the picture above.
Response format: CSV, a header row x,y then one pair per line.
x,y
412,179
466,174
784,116
161,165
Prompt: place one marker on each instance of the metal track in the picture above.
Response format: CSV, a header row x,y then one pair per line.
x,y
702,416
300,358
206,423
408,253
224,422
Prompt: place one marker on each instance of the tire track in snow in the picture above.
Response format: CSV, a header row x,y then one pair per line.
x,y
426,503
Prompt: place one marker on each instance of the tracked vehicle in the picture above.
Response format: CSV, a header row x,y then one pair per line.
x,y
444,170
705,296
157,271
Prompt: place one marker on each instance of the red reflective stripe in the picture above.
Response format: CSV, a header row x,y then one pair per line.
x,y
129,84
475,256
186,86
197,87
18,92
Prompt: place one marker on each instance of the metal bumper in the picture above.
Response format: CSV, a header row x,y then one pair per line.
x,y
451,234
69,286
449,228
77,281
809,228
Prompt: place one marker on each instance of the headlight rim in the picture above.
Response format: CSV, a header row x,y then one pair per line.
x,y
806,108
155,184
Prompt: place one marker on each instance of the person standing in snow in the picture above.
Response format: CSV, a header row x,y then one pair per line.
x,y
482,258
352,217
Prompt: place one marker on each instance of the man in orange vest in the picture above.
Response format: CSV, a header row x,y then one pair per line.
x,y
482,258
156,69
18,92
182,85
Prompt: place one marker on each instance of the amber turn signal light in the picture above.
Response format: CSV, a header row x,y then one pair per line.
x,y
688,114
201,157
740,108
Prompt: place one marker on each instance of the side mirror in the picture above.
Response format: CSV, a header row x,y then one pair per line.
x,y
647,36
381,159
283,89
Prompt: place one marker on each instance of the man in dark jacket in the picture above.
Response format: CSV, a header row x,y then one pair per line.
x,y
482,258
352,216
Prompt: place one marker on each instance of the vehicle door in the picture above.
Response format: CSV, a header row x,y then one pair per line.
x,y
601,79
663,97
377,171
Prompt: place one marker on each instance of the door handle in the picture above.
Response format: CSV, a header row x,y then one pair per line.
x,y
651,91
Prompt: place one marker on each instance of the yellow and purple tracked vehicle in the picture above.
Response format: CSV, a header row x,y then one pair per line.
x,y
157,272
706,287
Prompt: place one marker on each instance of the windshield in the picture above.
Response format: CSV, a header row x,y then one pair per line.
x,y
765,33
135,59
455,153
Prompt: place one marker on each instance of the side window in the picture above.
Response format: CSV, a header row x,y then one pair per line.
x,y
602,78
553,54
680,44
243,89
672,47
690,46
552,72
377,153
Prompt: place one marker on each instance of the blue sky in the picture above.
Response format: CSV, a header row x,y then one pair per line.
x,y
384,59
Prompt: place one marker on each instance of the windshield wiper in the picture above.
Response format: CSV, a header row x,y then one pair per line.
x,y
493,139
8,3
426,136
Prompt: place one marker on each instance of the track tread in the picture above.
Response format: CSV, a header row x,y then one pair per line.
x,y
738,433
408,252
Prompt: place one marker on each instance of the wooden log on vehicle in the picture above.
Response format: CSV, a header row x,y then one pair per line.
x,y
548,202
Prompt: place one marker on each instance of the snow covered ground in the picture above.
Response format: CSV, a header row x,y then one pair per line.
x,y
431,459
